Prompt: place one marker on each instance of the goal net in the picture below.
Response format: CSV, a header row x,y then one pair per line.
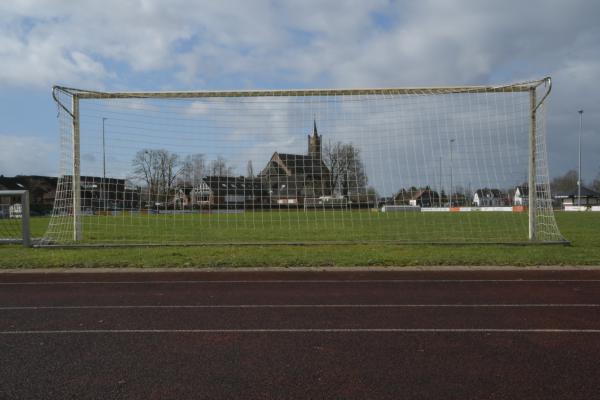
x,y
14,217
456,164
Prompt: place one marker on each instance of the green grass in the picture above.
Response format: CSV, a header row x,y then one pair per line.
x,y
299,226
582,229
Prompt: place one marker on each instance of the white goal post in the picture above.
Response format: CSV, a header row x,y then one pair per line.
x,y
304,166
14,217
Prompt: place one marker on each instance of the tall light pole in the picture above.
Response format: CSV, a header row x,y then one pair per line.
x,y
451,142
103,164
441,188
579,173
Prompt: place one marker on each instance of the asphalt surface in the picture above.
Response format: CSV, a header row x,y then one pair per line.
x,y
297,335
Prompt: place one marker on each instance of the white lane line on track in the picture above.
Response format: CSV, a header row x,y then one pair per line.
x,y
307,330
284,306
302,281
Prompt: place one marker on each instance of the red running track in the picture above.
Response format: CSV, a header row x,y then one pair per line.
x,y
375,335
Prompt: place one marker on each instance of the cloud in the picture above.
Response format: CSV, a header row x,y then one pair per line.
x,y
342,43
21,154
53,42
197,108
353,43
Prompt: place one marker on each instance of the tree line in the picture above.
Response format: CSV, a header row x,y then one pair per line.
x,y
162,171
568,182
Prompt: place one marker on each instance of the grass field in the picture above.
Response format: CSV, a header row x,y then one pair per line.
x,y
299,226
582,229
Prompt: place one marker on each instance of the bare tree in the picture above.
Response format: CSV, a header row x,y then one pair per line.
x,y
346,167
596,183
219,167
249,170
564,183
193,170
158,169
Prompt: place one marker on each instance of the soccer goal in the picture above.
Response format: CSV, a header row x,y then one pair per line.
x,y
451,165
14,217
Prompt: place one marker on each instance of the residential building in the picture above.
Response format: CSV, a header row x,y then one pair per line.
x,y
42,190
490,198
424,197
589,197
232,192
521,196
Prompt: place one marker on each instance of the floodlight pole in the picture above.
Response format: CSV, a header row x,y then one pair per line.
x,y
103,165
579,172
441,188
451,142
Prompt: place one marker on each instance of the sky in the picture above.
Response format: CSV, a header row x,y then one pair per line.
x,y
254,44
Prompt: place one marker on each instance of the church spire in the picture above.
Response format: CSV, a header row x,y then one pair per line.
x,y
314,143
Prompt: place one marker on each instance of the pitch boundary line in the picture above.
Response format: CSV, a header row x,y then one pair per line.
x,y
300,281
301,330
284,306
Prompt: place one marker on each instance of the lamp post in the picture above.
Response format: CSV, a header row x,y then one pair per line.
x,y
451,142
579,173
441,188
103,165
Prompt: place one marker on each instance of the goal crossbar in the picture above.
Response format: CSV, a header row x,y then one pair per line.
x,y
515,87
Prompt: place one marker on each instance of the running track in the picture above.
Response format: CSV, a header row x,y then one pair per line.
x,y
300,335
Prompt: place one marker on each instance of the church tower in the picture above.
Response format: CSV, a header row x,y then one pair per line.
x,y
314,144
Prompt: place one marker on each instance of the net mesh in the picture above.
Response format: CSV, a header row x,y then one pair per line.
x,y
11,216
418,165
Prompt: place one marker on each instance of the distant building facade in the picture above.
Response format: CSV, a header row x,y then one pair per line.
x,y
490,198
589,198
423,197
290,178
521,196
42,190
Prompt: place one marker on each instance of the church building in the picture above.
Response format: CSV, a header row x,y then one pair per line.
x,y
291,178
